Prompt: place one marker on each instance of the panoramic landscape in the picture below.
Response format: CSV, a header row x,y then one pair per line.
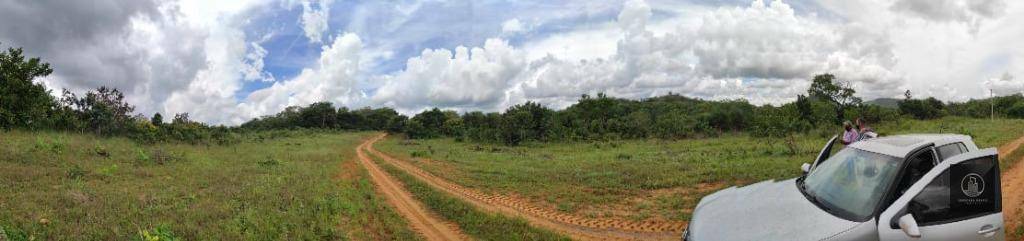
x,y
511,120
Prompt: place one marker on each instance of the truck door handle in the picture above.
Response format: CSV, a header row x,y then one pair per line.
x,y
988,229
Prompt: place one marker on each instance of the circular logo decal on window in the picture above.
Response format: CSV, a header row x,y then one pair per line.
x,y
972,185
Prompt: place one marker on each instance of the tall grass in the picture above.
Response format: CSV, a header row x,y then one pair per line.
x,y
57,186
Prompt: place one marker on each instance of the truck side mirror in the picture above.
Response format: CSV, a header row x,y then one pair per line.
x,y
806,168
909,226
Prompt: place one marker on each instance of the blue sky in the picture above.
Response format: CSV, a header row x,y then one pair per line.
x,y
227,62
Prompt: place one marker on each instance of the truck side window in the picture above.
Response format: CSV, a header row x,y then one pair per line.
x,y
916,168
967,190
950,150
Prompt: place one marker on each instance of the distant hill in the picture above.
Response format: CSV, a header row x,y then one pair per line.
x,y
884,102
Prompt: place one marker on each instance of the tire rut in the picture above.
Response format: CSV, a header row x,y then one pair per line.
x,y
580,228
420,219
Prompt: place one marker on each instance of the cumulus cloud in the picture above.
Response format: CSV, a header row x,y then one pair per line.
x,y
970,12
332,79
1004,85
314,19
196,56
764,52
253,69
142,48
512,26
469,78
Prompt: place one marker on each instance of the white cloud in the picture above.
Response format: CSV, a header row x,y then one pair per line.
x,y
512,26
969,12
253,69
764,53
474,78
1004,85
195,56
314,19
332,79
590,43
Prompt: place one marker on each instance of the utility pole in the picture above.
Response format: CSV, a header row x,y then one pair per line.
x,y
992,102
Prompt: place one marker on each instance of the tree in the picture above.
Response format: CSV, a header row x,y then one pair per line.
x,y
529,121
1016,110
23,102
431,123
157,119
104,111
319,115
929,108
840,94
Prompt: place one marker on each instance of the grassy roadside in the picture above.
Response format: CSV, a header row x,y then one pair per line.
x,y
646,179
478,224
59,186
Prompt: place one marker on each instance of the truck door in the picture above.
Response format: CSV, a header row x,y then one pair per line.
x,y
959,199
825,153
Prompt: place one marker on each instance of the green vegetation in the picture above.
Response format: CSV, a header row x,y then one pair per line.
x,y
296,186
478,224
26,104
641,179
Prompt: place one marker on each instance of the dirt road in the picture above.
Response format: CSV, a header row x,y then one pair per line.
x,y
421,220
579,228
1012,187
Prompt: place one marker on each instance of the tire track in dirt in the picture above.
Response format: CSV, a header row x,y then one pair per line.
x,y
421,220
579,228
1012,187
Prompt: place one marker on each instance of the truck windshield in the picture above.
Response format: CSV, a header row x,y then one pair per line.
x,y
851,182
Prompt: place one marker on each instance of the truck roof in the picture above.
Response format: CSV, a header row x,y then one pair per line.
x,y
901,145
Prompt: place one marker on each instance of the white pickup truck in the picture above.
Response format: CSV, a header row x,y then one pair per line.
x,y
932,187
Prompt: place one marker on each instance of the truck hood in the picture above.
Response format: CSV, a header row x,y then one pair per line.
x,y
767,210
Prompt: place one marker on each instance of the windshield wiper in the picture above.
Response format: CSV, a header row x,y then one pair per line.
x,y
821,204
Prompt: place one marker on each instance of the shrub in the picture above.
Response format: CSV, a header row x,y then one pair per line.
x,y
160,233
75,172
107,171
101,151
270,161
141,156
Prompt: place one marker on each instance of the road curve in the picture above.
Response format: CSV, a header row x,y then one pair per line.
x,y
578,228
421,220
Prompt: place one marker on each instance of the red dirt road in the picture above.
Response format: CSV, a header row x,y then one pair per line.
x,y
421,220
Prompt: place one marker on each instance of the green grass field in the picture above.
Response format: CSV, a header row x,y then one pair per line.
x,y
646,179
56,186
305,185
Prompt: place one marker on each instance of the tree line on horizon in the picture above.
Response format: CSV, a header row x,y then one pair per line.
x,y
26,104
